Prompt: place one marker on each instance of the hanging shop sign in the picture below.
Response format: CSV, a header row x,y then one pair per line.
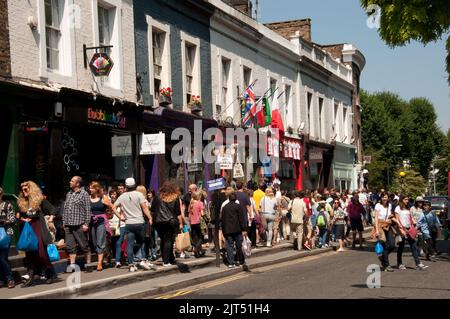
x,y
121,146
153,144
238,171
215,184
101,64
103,117
292,149
197,167
225,161
315,155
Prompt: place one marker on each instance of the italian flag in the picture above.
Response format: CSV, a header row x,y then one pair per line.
x,y
277,120
260,113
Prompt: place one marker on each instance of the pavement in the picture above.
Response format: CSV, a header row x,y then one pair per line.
x,y
119,283
331,275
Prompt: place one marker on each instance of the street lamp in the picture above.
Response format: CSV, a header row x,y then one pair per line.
x,y
402,175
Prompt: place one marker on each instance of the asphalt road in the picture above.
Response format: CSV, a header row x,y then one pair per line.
x,y
331,275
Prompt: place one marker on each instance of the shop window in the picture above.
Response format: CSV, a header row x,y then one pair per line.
x,y
310,122
321,120
247,73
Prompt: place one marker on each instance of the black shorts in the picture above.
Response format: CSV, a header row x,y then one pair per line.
x,y
340,231
75,236
356,224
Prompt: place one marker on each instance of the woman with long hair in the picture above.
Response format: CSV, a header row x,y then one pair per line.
x,y
166,209
33,208
405,222
196,210
383,230
100,231
269,208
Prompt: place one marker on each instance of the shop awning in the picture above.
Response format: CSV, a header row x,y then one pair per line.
x,y
163,117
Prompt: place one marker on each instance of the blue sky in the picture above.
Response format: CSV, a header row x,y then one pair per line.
x,y
410,71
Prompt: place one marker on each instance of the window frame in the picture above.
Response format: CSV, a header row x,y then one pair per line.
x,y
186,40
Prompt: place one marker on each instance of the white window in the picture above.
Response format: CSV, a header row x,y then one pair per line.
x,y
310,117
53,17
159,55
337,122
345,130
107,32
225,70
191,67
287,103
273,87
321,120
247,75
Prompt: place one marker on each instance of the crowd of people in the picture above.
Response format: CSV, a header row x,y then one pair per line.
x,y
133,227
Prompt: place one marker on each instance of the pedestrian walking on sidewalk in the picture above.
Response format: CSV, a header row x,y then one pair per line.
x,y
33,208
356,213
269,207
234,227
76,220
430,228
285,222
100,230
196,210
252,231
339,223
7,221
405,221
118,229
297,207
133,208
166,209
384,231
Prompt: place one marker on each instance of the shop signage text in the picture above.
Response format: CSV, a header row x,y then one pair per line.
x,y
102,117
153,144
315,155
121,146
225,161
215,184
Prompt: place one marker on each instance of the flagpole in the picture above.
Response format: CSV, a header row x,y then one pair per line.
x,y
237,98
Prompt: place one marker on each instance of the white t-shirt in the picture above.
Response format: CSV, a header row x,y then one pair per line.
x,y
130,202
405,216
383,213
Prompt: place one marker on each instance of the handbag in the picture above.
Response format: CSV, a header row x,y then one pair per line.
x,y
28,240
52,252
379,249
246,246
183,242
412,231
4,239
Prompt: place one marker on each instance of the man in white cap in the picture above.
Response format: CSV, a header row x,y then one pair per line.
x,y
133,207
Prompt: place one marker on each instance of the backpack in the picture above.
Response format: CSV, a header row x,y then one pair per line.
x,y
321,221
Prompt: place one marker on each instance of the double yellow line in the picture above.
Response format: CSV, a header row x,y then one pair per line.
x,y
204,286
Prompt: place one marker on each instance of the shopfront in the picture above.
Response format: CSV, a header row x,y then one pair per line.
x,y
162,167
290,172
318,166
344,171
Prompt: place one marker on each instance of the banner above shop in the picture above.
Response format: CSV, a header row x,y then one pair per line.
x,y
194,167
153,144
121,146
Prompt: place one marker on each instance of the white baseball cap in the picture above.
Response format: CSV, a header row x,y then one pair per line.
x,y
130,182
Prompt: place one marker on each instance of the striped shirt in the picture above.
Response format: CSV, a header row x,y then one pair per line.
x,y
77,208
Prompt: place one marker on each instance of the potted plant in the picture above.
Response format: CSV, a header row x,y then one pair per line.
x,y
195,104
165,96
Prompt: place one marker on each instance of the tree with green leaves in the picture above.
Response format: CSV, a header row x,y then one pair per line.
x,y
412,184
395,130
442,163
402,21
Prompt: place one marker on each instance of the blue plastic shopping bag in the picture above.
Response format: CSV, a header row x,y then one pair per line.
x,y
4,239
27,240
379,249
53,253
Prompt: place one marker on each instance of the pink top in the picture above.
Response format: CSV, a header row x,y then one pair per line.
x,y
196,213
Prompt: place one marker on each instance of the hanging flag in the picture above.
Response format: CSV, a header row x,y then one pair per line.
x,y
260,113
277,120
267,111
249,105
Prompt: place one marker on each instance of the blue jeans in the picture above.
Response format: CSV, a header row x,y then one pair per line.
x,y
231,239
323,233
135,233
5,268
154,248
119,243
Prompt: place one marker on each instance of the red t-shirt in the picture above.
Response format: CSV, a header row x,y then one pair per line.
x,y
307,201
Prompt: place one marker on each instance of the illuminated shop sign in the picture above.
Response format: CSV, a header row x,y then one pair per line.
x,y
102,117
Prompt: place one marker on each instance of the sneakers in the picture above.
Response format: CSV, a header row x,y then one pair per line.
x,y
388,269
11,284
230,266
118,265
269,245
145,265
402,267
421,267
167,265
132,268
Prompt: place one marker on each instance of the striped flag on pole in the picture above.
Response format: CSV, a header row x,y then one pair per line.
x,y
249,105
